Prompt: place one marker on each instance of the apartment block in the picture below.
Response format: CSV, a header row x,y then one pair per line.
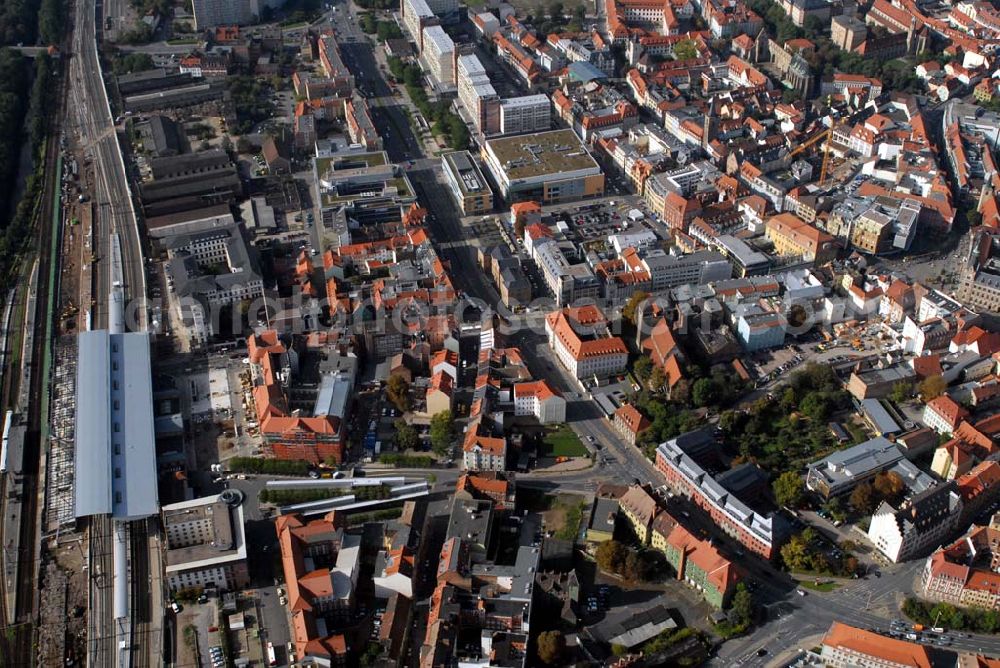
x,y
699,563
538,399
466,183
477,95
416,16
529,113
845,646
676,460
439,54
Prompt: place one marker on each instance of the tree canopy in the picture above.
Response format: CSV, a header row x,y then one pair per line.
x,y
441,431
551,647
789,489
398,392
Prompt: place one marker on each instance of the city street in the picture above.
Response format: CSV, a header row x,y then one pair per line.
x,y
869,603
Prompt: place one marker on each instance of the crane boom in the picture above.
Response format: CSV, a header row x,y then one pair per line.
x,y
828,136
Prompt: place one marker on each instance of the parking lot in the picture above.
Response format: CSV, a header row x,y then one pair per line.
x,y
595,222
772,364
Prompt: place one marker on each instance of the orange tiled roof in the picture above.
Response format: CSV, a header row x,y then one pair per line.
x,y
539,389
950,410
630,416
495,446
562,324
983,477
721,572
873,644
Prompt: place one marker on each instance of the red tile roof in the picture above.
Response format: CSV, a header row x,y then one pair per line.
x,y
563,323
721,572
875,645
633,420
948,409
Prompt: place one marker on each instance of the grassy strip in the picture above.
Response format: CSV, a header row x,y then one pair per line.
x,y
824,587
51,302
290,467
289,496
563,442
571,528
377,516
407,461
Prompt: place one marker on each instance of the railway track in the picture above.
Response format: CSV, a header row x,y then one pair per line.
x,y
140,594
100,630
17,640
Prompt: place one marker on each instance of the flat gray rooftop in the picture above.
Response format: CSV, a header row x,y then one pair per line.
x,y
115,434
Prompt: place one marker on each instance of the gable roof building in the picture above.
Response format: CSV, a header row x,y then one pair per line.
x,y
583,343
845,645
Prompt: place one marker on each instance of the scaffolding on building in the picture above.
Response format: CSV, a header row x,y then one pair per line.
x,y
59,513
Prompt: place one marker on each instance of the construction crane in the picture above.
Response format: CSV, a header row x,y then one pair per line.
x,y
828,136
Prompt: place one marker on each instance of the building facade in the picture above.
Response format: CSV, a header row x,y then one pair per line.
x,y
754,531
466,183
205,545
439,54
529,113
581,340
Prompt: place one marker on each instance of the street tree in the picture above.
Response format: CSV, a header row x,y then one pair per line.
x,y
932,387
407,437
551,647
789,489
398,392
862,499
642,368
741,610
611,556
441,429
632,305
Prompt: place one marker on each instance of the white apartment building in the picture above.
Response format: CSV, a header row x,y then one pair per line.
x,y
205,544
644,13
439,54
484,453
849,647
943,414
443,8
528,113
538,399
476,94
211,13
567,282
920,524
668,271
416,15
